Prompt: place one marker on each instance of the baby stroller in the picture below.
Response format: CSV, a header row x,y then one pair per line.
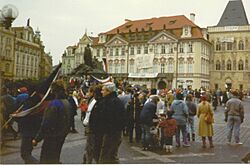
x,y
156,134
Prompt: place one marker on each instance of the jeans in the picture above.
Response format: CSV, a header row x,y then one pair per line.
x,y
190,125
26,149
233,126
183,130
146,135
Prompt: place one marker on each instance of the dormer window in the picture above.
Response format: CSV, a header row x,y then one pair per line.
x,y
186,31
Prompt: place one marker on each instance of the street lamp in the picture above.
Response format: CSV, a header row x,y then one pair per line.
x,y
9,13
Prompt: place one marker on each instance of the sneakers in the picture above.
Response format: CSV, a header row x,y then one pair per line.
x,y
169,148
238,143
228,143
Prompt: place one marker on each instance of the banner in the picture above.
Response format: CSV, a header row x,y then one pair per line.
x,y
144,61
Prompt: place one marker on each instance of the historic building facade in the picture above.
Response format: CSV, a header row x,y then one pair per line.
x,y
230,66
31,61
159,52
7,41
73,55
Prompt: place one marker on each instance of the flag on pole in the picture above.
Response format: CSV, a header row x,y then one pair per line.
x,y
38,96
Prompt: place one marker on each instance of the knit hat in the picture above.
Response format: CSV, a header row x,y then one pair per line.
x,y
23,90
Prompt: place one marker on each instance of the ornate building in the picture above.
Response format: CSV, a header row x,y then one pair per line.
x,y
230,38
73,55
158,52
7,40
30,58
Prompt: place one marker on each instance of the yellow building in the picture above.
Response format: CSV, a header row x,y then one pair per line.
x,y
158,52
7,40
231,49
28,53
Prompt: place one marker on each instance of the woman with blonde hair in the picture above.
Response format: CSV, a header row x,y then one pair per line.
x,y
206,119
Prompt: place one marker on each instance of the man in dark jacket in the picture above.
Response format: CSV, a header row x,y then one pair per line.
x,y
109,123
28,127
147,115
55,126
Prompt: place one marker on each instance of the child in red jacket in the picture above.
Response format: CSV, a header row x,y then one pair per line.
x,y
169,130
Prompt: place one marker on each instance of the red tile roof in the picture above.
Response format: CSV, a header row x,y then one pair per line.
x,y
172,22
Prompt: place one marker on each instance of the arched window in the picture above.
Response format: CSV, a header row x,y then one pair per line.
x,y
229,65
217,65
218,46
241,45
246,64
240,65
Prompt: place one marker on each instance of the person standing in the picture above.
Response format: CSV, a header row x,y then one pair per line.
x,y
180,114
73,100
191,114
147,115
110,123
234,116
205,128
55,125
28,127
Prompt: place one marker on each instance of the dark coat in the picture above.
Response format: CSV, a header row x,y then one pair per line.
x,y
108,115
148,113
56,119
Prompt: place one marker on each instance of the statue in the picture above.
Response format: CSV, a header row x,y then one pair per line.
x,y
88,56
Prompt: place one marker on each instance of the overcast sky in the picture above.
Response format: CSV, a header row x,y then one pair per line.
x,y
63,22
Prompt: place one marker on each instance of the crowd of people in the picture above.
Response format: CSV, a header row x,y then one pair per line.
x,y
114,109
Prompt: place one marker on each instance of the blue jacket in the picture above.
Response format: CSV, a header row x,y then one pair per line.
x,y
180,110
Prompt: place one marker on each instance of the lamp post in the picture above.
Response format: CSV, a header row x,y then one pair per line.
x,y
176,70
9,13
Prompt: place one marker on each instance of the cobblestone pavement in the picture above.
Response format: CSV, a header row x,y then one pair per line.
x,y
132,153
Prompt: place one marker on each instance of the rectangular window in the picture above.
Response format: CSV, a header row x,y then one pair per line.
x,y
189,68
162,68
229,46
170,68
145,49
138,50
181,48
190,48
98,52
132,51
111,52
123,51
117,51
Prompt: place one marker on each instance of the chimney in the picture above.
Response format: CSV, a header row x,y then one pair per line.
x,y
192,17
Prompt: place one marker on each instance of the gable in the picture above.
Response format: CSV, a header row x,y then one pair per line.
x,y
163,37
85,40
116,41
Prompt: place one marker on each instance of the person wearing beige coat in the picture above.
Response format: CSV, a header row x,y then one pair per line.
x,y
205,129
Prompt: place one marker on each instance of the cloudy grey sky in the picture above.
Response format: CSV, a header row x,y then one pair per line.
x,y
63,22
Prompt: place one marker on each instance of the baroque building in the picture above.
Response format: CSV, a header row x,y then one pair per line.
x,y
31,61
73,55
230,39
7,41
157,53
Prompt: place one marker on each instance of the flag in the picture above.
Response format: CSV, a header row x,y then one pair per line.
x,y
104,64
35,99
108,79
